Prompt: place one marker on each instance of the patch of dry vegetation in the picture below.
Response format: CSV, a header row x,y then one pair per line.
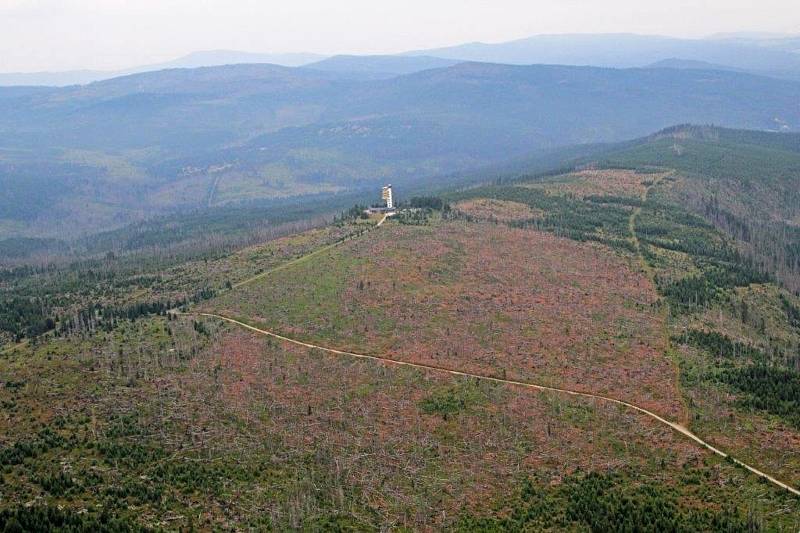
x,y
499,210
481,298
369,427
179,424
598,182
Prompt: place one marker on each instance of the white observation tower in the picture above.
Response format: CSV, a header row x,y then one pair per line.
x,y
387,196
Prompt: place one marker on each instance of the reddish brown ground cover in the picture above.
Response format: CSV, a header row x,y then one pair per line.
x,y
603,182
482,298
414,468
500,210
534,306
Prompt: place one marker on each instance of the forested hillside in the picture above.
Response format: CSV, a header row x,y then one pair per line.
x,y
746,183
772,55
110,153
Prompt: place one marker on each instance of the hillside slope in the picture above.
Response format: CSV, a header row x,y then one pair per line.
x,y
186,415
710,212
746,183
126,148
631,50
600,279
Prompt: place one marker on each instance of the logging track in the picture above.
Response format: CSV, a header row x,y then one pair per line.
x,y
389,360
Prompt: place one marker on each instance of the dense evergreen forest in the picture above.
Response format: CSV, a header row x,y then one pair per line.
x,y
40,518
776,390
186,235
720,345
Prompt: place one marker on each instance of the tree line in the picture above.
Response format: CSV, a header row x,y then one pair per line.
x,y
768,388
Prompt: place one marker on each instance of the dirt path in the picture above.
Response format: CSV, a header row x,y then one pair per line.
x,y
647,269
11,347
306,257
213,190
635,215
389,360
398,362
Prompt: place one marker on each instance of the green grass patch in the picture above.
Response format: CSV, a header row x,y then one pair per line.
x,y
455,399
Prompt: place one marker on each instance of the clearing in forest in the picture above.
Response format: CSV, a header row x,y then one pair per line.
x,y
481,298
437,445
597,182
499,210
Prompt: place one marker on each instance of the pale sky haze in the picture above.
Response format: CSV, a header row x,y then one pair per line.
x,y
38,35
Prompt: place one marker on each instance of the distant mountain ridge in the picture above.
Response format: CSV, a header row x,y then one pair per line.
x,y
381,66
625,51
209,58
116,151
212,58
764,54
678,63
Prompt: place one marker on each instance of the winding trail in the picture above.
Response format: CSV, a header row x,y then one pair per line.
x,y
12,347
398,362
213,190
648,270
308,256
635,216
387,359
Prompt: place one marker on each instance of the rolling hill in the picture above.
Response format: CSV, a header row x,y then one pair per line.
x,y
765,54
383,66
746,183
205,58
121,150
630,50
527,354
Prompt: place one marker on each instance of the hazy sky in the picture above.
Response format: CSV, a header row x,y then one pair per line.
x,y
70,34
